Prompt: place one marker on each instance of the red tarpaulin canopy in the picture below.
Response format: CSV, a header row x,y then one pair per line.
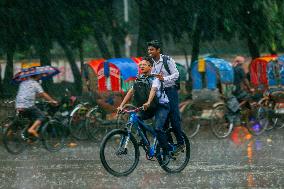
x,y
117,69
258,70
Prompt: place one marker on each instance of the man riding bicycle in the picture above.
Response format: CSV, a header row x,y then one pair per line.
x,y
160,112
25,102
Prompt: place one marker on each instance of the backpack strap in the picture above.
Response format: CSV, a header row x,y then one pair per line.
x,y
150,79
165,63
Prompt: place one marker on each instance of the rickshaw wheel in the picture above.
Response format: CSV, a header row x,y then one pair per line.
x,y
220,125
190,121
279,123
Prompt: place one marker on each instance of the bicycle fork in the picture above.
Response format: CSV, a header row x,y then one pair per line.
x,y
124,142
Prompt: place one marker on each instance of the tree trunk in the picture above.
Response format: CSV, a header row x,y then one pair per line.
x,y
9,70
253,48
115,42
75,70
148,26
45,60
1,88
272,48
102,44
9,89
188,79
195,44
81,55
186,60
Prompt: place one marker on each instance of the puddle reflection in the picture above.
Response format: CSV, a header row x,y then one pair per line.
x,y
241,137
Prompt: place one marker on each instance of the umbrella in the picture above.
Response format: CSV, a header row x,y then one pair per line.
x,y
46,72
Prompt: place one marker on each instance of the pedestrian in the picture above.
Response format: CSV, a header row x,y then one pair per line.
x,y
164,68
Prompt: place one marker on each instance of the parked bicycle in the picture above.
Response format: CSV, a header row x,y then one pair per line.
x,y
97,125
248,114
273,104
119,150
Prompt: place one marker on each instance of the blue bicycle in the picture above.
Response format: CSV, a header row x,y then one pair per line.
x,y
119,150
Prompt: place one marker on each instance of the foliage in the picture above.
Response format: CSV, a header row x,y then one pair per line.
x,y
32,27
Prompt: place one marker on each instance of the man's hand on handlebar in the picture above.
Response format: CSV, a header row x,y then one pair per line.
x,y
146,105
119,109
54,103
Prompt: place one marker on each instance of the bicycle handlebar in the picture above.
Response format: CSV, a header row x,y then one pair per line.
x,y
131,111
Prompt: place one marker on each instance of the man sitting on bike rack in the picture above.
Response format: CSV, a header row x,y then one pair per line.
x,y
155,103
25,102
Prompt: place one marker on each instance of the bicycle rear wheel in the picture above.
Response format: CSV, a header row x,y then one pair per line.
x,y
53,135
12,139
219,123
119,153
179,161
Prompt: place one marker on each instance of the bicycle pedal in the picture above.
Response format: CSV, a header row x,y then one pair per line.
x,y
24,137
150,158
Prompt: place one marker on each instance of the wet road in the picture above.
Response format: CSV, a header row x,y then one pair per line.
x,y
239,161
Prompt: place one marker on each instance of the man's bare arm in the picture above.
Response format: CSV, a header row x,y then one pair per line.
x,y
127,97
152,94
150,98
47,97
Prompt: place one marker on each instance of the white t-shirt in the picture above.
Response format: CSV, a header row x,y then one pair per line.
x,y
163,98
27,93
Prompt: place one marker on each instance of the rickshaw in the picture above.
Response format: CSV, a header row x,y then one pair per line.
x,y
212,79
258,72
273,100
108,80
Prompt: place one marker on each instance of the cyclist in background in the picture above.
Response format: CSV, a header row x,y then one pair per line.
x,y
25,102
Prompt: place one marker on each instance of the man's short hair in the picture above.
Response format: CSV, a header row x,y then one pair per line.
x,y
154,43
148,59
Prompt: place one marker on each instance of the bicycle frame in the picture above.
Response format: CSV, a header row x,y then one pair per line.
x,y
134,121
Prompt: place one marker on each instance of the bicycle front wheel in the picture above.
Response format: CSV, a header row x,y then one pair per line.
x,y
12,139
53,135
119,153
178,161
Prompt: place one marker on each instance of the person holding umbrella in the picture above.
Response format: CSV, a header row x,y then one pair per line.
x,y
29,89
